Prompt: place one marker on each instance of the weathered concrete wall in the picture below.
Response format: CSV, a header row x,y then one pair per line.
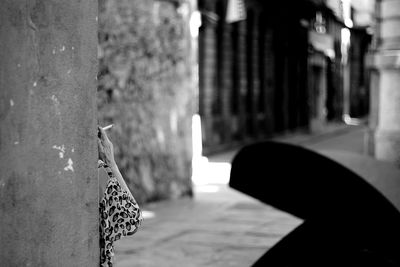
x,y
48,153
146,90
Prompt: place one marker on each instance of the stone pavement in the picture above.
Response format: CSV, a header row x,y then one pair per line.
x,y
220,226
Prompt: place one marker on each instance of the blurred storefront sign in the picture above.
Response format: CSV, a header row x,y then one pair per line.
x,y
236,11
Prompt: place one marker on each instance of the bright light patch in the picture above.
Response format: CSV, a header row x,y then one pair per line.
x,y
207,189
148,214
351,121
203,171
195,23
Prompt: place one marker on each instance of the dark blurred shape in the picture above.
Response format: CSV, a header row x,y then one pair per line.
x,y
347,222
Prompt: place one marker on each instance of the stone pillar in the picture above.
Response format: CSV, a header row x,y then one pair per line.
x,y
48,151
207,73
317,91
387,61
242,78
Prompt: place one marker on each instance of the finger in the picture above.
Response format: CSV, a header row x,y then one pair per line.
x,y
98,131
103,135
100,146
101,150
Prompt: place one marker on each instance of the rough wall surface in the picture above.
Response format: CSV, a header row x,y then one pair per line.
x,y
48,153
386,61
146,91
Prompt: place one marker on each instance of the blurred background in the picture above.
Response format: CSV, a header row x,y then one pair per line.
x,y
188,83
237,71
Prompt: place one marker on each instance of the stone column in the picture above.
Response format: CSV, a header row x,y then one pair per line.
x,y
48,151
387,61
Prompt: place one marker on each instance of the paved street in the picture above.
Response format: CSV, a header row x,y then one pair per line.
x,y
350,140
219,226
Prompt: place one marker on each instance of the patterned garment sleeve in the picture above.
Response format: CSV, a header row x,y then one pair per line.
x,y
119,216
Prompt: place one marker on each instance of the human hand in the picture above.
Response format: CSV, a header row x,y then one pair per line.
x,y
105,148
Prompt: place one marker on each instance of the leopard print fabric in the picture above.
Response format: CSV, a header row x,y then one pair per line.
x,y
119,216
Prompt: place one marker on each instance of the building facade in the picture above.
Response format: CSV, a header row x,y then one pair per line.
x,y
279,70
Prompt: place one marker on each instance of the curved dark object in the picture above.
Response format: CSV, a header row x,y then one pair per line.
x,y
344,215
